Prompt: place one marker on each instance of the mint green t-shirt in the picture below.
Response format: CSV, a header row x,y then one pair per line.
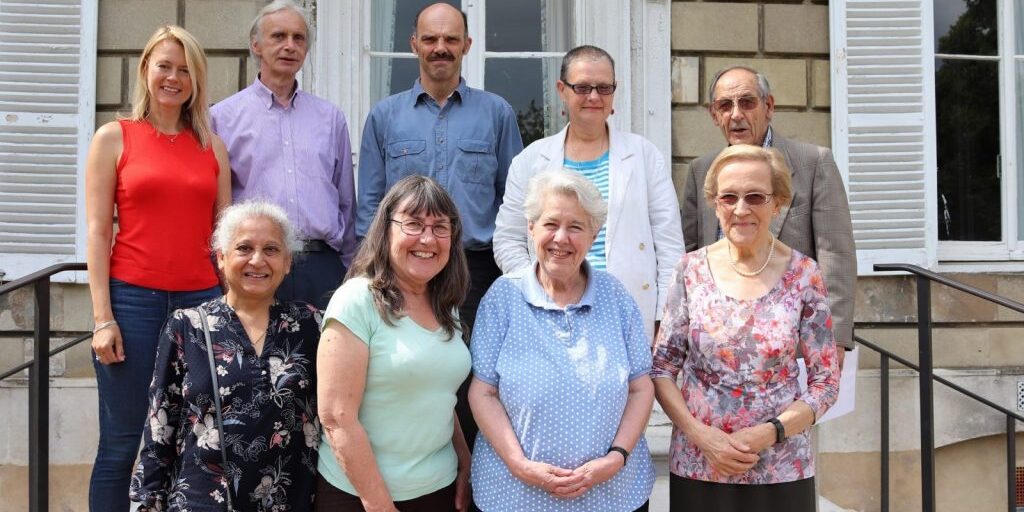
x,y
408,405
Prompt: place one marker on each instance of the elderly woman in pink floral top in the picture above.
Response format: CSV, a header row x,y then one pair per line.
x,y
739,314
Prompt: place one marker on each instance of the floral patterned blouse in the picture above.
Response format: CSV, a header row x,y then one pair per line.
x,y
269,406
738,360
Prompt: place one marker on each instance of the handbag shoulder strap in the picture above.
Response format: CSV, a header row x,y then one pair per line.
x,y
216,404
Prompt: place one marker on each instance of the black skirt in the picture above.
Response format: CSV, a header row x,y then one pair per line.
x,y
697,495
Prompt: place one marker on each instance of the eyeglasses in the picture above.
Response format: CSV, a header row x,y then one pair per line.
x,y
416,228
725,105
585,89
752,199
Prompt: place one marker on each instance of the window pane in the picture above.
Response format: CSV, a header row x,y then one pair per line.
x,y
529,86
966,27
967,119
390,75
529,26
392,22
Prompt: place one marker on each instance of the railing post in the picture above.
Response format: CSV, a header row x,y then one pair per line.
x,y
39,403
924,352
885,433
1011,463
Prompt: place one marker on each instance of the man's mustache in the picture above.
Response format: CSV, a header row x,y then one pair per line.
x,y
441,56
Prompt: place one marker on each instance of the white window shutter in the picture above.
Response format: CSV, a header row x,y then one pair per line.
x,y
883,122
47,112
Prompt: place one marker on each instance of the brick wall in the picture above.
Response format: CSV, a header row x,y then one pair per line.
x,y
787,41
221,26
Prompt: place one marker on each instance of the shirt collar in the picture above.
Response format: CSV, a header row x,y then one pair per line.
x,y
266,96
418,92
767,139
535,295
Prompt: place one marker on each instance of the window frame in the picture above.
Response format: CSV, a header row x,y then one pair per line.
x,y
1011,247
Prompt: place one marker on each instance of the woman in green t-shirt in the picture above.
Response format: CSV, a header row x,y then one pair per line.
x,y
391,358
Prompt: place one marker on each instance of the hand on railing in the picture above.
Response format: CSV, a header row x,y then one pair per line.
x,y
107,344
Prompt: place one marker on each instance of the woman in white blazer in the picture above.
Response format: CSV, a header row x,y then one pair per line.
x,y
643,238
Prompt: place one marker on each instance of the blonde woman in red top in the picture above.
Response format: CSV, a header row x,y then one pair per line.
x,y
168,175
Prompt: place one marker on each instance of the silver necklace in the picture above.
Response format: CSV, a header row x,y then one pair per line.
x,y
771,252
170,137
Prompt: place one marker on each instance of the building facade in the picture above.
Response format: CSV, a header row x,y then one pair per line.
x,y
917,98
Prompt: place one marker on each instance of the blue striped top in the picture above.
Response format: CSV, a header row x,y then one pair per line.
x,y
597,172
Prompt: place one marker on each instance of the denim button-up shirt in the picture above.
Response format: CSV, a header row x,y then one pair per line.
x,y
466,145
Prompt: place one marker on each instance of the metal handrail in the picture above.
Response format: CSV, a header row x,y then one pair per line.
x,y
925,368
39,381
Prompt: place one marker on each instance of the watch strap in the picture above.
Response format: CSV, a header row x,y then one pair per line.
x,y
780,430
623,451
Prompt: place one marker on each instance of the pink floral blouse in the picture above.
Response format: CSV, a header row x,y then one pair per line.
x,y
738,360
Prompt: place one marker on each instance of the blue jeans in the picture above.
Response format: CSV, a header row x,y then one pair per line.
x,y
124,387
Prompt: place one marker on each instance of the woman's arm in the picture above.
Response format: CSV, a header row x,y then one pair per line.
x,y
463,492
631,427
100,183
341,364
223,176
152,478
494,424
727,455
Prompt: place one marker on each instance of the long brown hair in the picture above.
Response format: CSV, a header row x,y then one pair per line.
x,y
416,195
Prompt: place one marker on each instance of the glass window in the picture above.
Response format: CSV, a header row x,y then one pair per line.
x,y
529,86
968,120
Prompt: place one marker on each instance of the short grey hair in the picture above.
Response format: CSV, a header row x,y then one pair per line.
x,y
232,217
271,8
762,83
566,182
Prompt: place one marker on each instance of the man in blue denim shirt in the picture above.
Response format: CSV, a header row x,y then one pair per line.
x,y
462,137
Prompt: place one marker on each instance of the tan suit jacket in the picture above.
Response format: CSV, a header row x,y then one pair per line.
x,y
817,223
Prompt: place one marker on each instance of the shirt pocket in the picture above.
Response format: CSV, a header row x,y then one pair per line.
x,y
476,162
405,157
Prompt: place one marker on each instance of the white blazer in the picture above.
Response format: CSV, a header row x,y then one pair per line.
x,y
644,240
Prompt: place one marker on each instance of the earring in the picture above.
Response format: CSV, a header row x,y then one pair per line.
x,y
613,111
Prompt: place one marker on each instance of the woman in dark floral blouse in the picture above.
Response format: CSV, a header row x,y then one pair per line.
x,y
265,354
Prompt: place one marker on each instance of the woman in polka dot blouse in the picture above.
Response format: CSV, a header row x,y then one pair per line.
x,y
561,386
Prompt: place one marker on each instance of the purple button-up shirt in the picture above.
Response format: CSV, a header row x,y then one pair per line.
x,y
297,156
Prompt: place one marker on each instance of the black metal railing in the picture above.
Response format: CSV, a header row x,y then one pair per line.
x,y
39,381
924,367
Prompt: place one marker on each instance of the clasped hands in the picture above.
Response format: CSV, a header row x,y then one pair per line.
x,y
569,483
734,454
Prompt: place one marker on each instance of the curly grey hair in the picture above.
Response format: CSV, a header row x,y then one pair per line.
x,y
232,217
569,183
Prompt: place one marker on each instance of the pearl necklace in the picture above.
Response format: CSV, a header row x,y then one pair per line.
x,y
771,252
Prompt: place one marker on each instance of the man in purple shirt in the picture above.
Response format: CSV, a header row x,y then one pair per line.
x,y
293,149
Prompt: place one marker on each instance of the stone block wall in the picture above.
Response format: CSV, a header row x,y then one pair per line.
x,y
221,26
788,41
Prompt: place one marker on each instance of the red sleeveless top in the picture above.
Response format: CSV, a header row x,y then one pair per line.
x,y
166,194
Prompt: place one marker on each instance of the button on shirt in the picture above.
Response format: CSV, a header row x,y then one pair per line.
x,y
297,156
466,145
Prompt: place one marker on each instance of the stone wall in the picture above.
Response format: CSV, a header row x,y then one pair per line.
x,y
221,26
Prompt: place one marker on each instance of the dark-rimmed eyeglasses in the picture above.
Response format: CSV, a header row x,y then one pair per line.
x,y
585,89
725,105
752,199
416,228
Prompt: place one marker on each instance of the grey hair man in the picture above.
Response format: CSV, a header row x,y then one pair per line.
x,y
293,149
817,223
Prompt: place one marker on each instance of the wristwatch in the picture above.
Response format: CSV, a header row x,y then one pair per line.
x,y
780,430
623,451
